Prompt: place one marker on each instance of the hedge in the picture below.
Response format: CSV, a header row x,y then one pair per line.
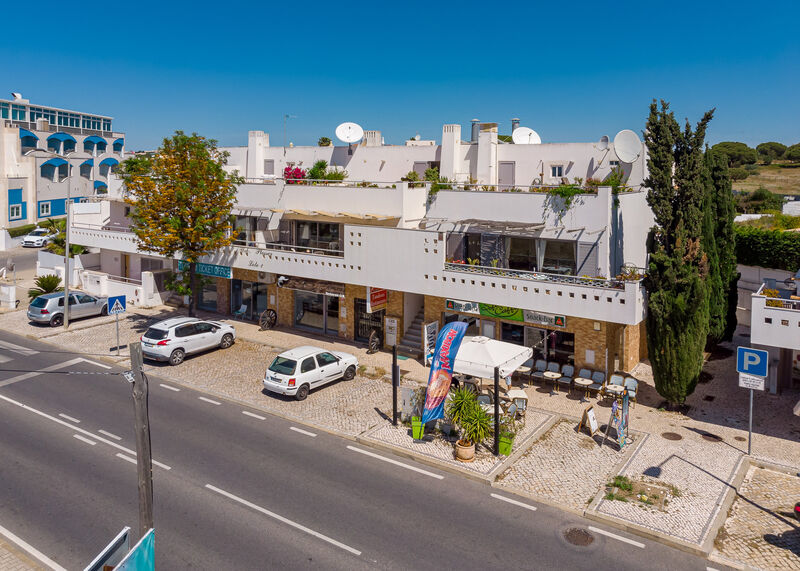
x,y
20,230
767,248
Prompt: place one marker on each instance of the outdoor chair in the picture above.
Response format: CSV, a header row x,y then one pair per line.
x,y
521,404
553,367
631,387
511,411
585,374
615,380
485,399
240,313
567,374
539,368
599,383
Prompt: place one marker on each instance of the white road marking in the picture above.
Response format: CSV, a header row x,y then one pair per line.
x,y
126,458
50,369
73,427
114,436
84,439
31,550
711,569
5,359
515,502
75,420
18,348
254,415
169,388
301,431
395,462
615,536
160,465
209,400
283,519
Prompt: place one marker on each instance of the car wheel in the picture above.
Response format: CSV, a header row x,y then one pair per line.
x,y
349,373
104,311
227,341
176,358
57,321
302,393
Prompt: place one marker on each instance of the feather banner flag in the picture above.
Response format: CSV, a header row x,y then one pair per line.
x,y
447,344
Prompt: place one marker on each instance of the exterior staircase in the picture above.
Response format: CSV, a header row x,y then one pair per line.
x,y
174,300
411,343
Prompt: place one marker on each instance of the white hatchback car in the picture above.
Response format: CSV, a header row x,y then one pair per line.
x,y
37,238
172,339
296,372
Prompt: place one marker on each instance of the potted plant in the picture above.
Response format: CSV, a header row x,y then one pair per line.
x,y
508,431
473,421
417,428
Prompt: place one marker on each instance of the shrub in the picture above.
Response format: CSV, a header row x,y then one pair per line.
x,y
324,142
758,201
45,284
20,230
317,172
767,248
793,153
739,173
293,175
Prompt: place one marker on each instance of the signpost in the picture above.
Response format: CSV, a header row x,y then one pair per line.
x,y
117,305
753,367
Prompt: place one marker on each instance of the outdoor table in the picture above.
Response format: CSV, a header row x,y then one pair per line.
x,y
553,376
524,370
489,408
518,394
615,390
585,383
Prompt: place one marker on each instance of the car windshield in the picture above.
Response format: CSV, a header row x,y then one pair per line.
x,y
154,333
39,232
39,302
283,365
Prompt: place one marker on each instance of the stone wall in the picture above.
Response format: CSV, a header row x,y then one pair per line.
x,y
223,296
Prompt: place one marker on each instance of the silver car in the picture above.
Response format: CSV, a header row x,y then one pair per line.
x,y
37,238
172,339
49,308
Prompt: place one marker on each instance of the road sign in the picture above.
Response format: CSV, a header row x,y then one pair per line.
x,y
751,382
116,305
752,361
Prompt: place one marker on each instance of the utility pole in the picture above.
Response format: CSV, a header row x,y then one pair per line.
x,y
144,464
66,248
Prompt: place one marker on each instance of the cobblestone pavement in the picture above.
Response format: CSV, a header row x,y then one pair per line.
x,y
761,530
564,466
12,559
443,450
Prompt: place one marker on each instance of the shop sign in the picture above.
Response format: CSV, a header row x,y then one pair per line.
x,y
545,319
391,331
208,270
462,306
501,312
377,299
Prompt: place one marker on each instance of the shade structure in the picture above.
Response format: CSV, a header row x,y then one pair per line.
x,y
478,356
61,137
25,133
119,141
100,184
94,139
54,163
109,162
89,162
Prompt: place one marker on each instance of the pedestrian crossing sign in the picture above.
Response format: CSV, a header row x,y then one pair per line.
x,y
116,305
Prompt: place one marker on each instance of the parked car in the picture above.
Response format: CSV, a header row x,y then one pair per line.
x,y
172,339
37,238
49,308
296,372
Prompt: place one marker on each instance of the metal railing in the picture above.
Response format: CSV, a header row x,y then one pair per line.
x,y
124,280
322,182
108,227
291,248
537,276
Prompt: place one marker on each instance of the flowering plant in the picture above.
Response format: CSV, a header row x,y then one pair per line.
x,y
293,175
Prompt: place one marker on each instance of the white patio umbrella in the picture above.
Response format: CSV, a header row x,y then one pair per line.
x,y
478,356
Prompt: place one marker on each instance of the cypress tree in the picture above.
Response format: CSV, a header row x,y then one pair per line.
x,y
677,314
717,293
725,235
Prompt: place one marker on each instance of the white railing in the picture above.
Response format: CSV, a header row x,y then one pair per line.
x,y
537,276
778,302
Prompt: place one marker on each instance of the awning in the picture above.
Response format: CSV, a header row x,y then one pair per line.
x,y
119,141
25,133
62,137
489,226
54,163
89,162
100,184
478,356
315,286
109,161
94,139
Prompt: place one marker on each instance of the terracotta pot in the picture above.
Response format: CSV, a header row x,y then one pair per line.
x,y
465,453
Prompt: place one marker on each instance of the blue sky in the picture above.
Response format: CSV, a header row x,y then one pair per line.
x,y
571,70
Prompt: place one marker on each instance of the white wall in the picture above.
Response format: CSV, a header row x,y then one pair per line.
x,y
629,235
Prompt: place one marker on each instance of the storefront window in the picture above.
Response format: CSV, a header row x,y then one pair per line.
x,y
250,296
366,322
208,297
473,323
512,333
309,311
332,315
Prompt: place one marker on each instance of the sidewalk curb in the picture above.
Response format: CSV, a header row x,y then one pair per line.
x,y
739,473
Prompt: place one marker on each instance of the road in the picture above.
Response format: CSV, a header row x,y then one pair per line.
x,y
237,488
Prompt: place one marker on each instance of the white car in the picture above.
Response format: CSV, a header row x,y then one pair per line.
x,y
172,339
296,372
37,238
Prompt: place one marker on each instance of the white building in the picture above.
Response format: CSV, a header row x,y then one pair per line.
x,y
47,154
498,248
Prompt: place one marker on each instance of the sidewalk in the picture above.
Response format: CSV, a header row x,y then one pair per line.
x,y
12,558
698,457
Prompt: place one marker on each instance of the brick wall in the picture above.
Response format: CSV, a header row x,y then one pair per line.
x,y
223,296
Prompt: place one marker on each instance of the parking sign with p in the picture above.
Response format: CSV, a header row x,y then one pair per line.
x,y
752,361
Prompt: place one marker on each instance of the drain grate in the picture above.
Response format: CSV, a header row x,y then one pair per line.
x,y
671,436
711,437
578,536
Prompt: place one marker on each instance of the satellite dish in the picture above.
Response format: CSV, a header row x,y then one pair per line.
x,y
525,136
602,144
349,132
627,146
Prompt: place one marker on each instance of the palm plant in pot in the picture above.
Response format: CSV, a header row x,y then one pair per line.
x,y
474,423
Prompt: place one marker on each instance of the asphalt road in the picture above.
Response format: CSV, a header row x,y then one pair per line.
x,y
24,259
237,488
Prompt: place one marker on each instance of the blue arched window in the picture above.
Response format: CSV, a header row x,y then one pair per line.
x,y
27,140
118,145
61,143
55,170
94,143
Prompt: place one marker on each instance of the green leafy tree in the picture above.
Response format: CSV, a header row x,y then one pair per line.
x,y
759,201
181,200
677,314
768,152
58,240
738,153
49,283
793,153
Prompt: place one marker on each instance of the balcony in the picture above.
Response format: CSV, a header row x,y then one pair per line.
x,y
537,276
775,321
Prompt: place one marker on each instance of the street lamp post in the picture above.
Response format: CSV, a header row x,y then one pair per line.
x,y
66,248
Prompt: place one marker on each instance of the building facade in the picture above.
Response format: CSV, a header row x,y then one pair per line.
x,y
49,154
499,246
